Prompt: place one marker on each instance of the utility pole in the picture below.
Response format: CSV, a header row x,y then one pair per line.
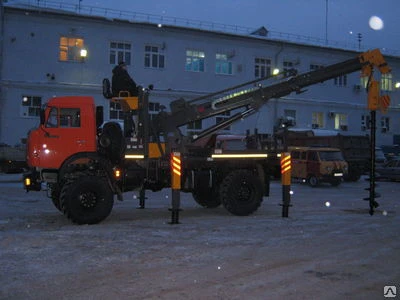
x,y
1,60
326,21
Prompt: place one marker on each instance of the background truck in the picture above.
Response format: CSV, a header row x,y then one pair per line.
x,y
12,159
85,164
355,148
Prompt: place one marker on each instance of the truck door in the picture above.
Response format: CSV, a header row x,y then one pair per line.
x,y
313,164
63,136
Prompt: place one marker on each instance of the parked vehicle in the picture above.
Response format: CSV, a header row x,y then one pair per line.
x,y
390,170
380,158
318,164
391,151
356,149
12,159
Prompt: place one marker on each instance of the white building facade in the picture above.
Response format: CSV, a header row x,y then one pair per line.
x,y
46,53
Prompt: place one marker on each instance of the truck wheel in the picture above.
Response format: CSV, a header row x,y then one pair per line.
x,y
208,198
87,200
313,181
241,192
55,197
336,181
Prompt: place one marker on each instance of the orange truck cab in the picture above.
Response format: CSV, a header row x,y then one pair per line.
x,y
318,164
65,129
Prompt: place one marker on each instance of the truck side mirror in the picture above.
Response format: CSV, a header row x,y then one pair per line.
x,y
42,116
107,88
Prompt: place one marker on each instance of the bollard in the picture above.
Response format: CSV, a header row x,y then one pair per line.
x,y
285,179
175,187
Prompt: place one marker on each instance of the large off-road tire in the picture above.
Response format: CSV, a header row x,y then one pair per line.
x,y
241,192
55,196
208,198
87,200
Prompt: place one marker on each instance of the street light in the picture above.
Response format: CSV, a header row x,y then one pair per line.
x,y
83,53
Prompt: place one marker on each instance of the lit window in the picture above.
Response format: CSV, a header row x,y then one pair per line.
x,y
195,61
120,51
31,106
386,82
70,49
262,67
317,120
341,122
364,81
222,64
154,57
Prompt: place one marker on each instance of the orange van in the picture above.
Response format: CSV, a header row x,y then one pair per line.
x,y
318,164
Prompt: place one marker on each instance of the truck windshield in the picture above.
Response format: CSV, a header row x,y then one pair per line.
x,y
330,155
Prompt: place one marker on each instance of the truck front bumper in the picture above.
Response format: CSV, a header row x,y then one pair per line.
x,y
32,181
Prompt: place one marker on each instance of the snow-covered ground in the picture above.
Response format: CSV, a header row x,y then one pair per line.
x,y
328,248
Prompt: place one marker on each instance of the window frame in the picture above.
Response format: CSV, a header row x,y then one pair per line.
x,y
195,61
154,59
72,53
120,52
28,101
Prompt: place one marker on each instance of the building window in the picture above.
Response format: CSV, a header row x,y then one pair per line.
x,y
314,67
262,67
340,81
222,64
195,61
194,127
385,124
386,82
70,49
317,120
154,57
365,122
154,108
116,111
364,81
222,117
31,106
290,116
120,51
288,68
341,122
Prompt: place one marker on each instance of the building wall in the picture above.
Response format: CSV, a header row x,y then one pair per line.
x,y
31,66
